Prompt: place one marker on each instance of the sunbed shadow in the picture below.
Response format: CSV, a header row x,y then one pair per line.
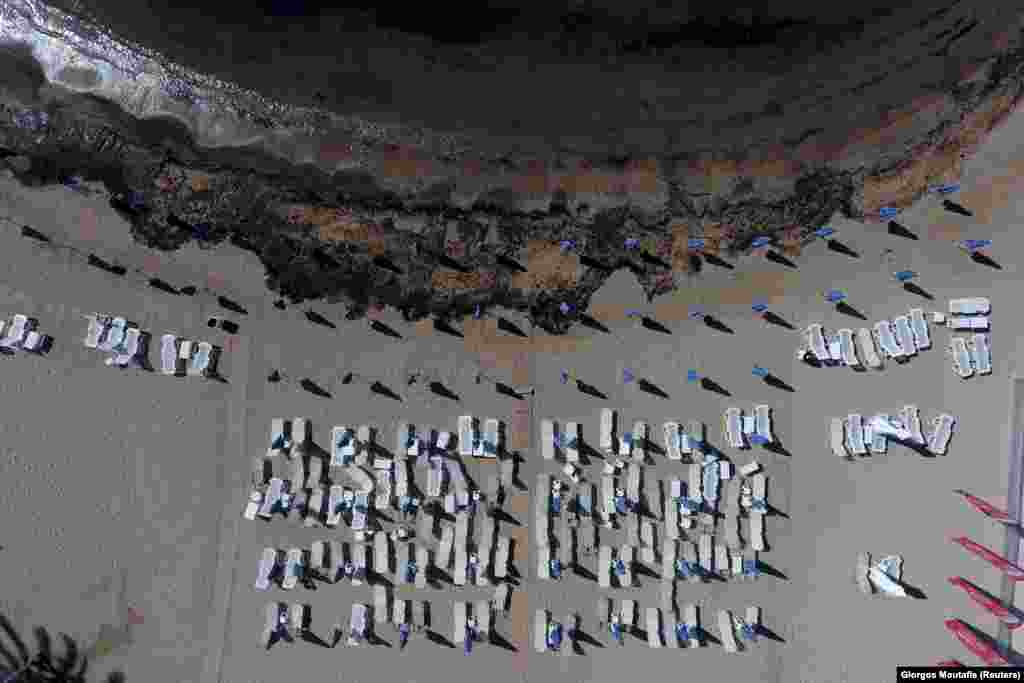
x,y
592,323
953,207
775,256
496,639
773,381
649,388
648,257
7,351
378,326
777,448
776,512
591,262
651,446
34,234
435,637
644,570
766,568
775,319
446,328
510,263
714,386
231,305
912,591
590,390
716,261
654,325
513,547
314,388
157,283
439,576
106,266
189,290
985,260
639,633
441,390
510,327
382,390
766,632
900,231
707,637
584,573
918,448
717,325
840,248
916,289
502,516
847,309
584,637
317,319
313,638
386,264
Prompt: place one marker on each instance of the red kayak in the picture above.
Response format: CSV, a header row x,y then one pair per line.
x,y
986,508
1011,570
1010,617
981,648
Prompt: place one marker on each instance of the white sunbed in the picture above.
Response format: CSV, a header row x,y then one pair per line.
x,y
753,616
401,469
705,551
868,350
911,418
444,440
128,351
972,322
627,614
710,483
508,470
690,555
736,566
268,561
492,433
981,355
357,623
253,504
696,483
606,442
815,337
919,326
382,489
759,489
115,335
673,440
879,441
406,558
540,630
343,445
694,436
748,424
402,439
757,531
547,439
97,326
381,554
292,569
692,620
861,573
961,357
400,612
633,482
942,432
653,627
722,559
272,613
671,508
855,434
422,566
467,435
169,354
647,541
639,441
668,559
626,445
970,306
905,335
380,604
359,561
835,349
435,477
763,413
273,497
200,362
727,628
848,349
443,559
482,612
419,614
500,600
359,512
886,340
837,437
732,530
501,557
315,507
572,442
604,566
732,429
608,496
544,562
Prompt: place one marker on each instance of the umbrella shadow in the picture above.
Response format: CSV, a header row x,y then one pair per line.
x,y
231,305
163,286
648,257
314,388
506,390
707,636
512,264
776,512
840,248
375,640
713,386
313,638
501,515
775,256
449,262
912,591
589,452
506,325
916,289
591,262
445,327
775,319
985,260
32,233
901,231
769,634
386,264
716,261
777,448
592,323
953,207
768,569
773,381
444,392
717,325
643,570
590,390
378,326
584,637
317,319
654,325
650,388
584,573
382,390
496,639
847,309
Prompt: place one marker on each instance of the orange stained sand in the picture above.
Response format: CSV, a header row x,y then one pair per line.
x,y
900,187
453,280
548,267
199,182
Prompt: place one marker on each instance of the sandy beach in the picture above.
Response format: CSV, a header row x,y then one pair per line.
x,y
125,488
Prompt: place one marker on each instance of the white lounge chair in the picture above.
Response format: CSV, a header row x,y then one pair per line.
x,y
200,364
861,573
692,620
815,337
491,437
848,349
604,566
639,453
357,624
673,438
292,569
837,437
268,561
757,531
668,559
627,614
911,418
572,442
422,566
272,624
732,429
633,474
380,604
169,354
274,491
690,556
128,350
942,432
544,556
482,612
467,436
382,489
540,630
919,326
961,357
606,442
763,414
855,434
647,541
835,350
97,327
608,497
501,557
970,306
115,335
315,507
885,337
705,550
443,559
736,566
653,627
359,561
400,612
722,559
904,335
748,424
547,439
696,483
981,356
727,628
626,445
381,554
879,440
973,322
868,350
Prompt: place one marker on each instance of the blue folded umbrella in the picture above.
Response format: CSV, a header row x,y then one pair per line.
x,y
972,245
947,189
564,308
887,212
627,376
759,371
825,231
758,439
691,375
632,243
904,275
696,243
566,245
761,241
760,306
564,374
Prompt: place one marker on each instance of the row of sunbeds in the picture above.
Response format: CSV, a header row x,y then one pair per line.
x,y
740,430
128,344
898,340
21,332
853,436
970,355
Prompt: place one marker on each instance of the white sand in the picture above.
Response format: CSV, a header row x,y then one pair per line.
x,y
121,474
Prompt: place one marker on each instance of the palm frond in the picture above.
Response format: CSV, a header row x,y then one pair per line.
x,y
70,658
44,655
19,644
